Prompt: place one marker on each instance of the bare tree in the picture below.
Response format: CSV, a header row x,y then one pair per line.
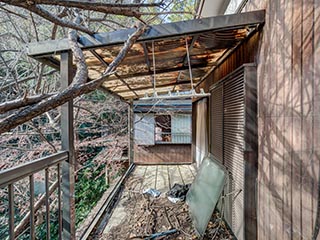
x,y
30,93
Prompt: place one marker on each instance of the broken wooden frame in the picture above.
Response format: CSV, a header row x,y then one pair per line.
x,y
209,40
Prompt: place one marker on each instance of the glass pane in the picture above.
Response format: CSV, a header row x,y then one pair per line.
x,y
144,129
205,192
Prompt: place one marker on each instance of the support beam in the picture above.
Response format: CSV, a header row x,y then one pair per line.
x,y
67,139
145,51
184,82
164,70
185,58
155,32
146,56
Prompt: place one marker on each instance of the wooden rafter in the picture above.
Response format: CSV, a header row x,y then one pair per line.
x,y
116,74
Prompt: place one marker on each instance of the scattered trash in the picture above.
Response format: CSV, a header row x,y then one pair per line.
x,y
152,192
178,193
161,234
146,216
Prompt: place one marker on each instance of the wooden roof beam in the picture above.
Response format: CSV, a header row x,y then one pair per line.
x,y
194,39
156,32
145,51
164,70
116,74
158,86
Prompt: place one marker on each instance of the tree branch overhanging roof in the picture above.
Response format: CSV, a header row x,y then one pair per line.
x,y
209,40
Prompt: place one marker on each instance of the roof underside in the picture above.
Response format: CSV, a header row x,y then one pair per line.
x,y
209,41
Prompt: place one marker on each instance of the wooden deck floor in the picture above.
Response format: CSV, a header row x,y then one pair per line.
x,y
160,177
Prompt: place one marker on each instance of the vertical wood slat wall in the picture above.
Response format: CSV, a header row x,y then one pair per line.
x,y
233,143
289,118
287,53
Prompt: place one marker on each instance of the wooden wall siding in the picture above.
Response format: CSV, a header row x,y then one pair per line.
x,y
288,60
162,153
289,81
246,53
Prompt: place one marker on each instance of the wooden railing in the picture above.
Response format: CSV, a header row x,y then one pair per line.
x,y
10,176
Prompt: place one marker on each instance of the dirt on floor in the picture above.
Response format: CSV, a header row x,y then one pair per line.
x,y
147,215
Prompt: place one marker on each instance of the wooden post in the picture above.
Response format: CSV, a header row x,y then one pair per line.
x,y
130,133
67,139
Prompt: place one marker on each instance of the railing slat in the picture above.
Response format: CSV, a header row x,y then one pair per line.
x,y
11,211
47,203
32,231
14,174
59,201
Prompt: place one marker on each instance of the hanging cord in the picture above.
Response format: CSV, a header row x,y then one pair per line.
x,y
189,64
154,68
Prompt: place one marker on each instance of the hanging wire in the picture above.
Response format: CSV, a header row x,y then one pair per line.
x,y
154,68
177,94
189,64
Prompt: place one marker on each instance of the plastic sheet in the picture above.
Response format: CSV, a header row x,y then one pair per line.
x,y
178,193
205,192
152,192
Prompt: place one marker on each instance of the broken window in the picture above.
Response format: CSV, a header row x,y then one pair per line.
x,y
151,129
175,128
163,128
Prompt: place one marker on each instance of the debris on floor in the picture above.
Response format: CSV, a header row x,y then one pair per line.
x,y
141,216
152,192
178,193
147,216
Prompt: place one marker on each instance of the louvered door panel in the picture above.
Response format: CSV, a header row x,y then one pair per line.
x,y
217,123
233,141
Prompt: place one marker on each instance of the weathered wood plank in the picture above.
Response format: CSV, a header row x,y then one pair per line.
x,y
150,178
162,183
186,174
174,175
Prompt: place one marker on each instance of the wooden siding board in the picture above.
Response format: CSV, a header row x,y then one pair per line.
x,y
316,104
307,111
263,168
163,154
288,105
297,99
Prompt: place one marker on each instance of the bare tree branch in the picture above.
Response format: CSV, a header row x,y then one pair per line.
x,y
82,70
22,102
54,19
11,84
71,92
